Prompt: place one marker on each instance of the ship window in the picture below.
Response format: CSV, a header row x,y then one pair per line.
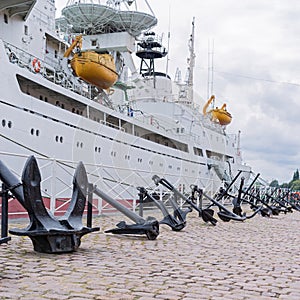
x,y
9,124
25,29
5,19
32,131
3,123
94,43
198,151
37,133
55,53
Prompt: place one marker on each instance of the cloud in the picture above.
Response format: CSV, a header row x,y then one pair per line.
x,y
257,70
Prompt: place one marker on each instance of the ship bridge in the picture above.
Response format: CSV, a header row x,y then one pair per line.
x,y
17,7
92,17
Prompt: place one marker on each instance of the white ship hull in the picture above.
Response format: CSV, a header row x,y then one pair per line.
x,y
61,126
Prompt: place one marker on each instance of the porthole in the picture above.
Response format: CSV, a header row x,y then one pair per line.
x,y
9,124
3,123
32,131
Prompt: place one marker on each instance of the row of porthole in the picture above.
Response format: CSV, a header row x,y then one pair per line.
x,y
80,144
59,139
6,123
34,132
57,103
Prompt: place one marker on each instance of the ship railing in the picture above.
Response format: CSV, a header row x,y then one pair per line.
x,y
119,182
49,69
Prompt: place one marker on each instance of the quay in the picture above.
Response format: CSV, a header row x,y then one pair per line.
x,y
255,259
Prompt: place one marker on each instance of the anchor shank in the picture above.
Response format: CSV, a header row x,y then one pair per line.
x,y
10,180
128,213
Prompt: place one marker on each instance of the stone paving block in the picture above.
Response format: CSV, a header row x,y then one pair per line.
x,y
255,259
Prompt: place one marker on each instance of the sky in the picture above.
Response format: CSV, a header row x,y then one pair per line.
x,y
255,47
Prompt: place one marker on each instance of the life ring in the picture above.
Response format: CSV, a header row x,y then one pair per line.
x,y
36,64
13,58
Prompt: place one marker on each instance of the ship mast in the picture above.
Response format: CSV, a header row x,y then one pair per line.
x,y
191,64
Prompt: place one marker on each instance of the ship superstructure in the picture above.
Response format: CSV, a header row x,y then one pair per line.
x,y
128,125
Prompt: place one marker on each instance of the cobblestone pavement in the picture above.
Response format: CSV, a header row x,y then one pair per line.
x,y
256,259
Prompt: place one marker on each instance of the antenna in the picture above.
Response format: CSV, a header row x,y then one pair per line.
x,y
191,62
210,73
168,47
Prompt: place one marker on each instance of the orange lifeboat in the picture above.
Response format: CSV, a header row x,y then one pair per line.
x,y
97,69
220,115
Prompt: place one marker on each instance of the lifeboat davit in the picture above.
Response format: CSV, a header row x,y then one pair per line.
x,y
220,115
97,69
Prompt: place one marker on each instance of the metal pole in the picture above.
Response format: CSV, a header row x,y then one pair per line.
x,y
4,216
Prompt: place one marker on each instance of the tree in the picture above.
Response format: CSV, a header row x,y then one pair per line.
x,y
296,175
295,185
285,185
274,183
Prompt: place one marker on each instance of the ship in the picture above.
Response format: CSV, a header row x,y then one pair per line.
x,y
85,87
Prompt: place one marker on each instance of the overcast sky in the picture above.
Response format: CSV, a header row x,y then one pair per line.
x,y
256,70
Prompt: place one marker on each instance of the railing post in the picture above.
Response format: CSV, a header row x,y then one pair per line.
x,y
4,216
53,187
